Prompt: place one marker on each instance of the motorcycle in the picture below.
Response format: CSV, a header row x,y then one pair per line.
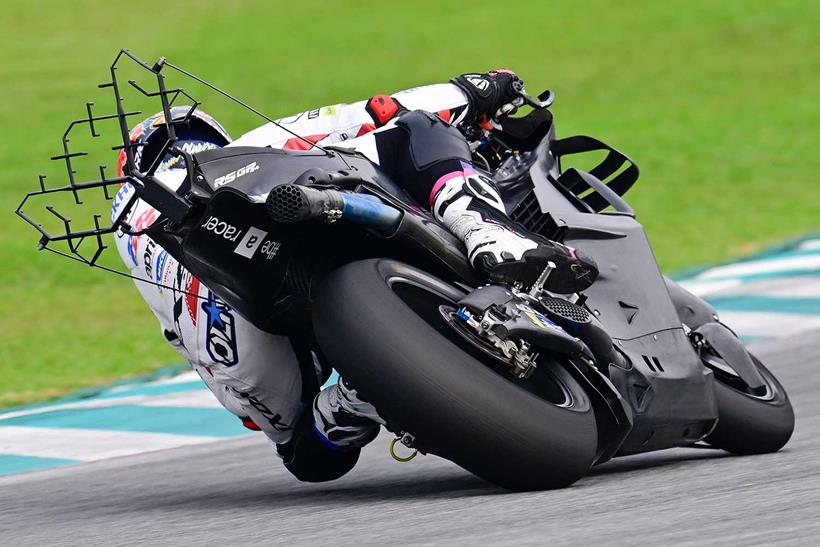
x,y
521,387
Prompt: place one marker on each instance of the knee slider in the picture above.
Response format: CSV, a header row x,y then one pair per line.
x,y
311,459
431,140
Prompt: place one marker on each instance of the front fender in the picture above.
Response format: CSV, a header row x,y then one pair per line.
x,y
692,310
724,342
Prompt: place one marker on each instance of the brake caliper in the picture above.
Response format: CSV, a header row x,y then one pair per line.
x,y
510,323
517,352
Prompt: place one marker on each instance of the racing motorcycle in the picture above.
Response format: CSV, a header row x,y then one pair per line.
x,y
524,388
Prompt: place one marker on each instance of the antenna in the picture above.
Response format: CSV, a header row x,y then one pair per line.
x,y
173,206
252,109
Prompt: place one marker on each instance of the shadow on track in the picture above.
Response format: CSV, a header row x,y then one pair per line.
x,y
663,458
371,486
281,493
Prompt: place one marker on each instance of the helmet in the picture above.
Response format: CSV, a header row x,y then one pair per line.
x,y
200,132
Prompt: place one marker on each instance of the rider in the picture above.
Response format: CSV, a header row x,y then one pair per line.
x,y
268,380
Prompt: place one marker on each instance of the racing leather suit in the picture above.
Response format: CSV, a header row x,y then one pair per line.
x,y
256,375
269,380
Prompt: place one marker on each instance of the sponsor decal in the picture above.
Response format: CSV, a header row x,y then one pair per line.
x,y
148,257
167,275
328,110
186,293
313,114
121,161
162,259
220,332
191,147
139,130
121,197
478,82
222,229
252,240
191,297
538,319
233,175
158,119
270,248
166,271
274,419
144,220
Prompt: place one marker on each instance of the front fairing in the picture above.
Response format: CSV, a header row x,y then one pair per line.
x,y
668,388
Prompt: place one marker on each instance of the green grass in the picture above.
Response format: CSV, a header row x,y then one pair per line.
x,y
716,101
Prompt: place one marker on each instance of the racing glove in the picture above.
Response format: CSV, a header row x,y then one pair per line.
x,y
490,95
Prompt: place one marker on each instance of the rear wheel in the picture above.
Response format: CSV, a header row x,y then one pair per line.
x,y
381,324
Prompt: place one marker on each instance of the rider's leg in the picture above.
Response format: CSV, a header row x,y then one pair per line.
x,y
343,418
327,441
317,434
274,381
267,380
432,160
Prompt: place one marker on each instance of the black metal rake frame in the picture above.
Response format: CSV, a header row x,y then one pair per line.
x,y
173,206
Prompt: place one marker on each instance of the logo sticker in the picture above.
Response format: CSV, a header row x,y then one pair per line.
x,y
328,110
186,295
123,195
539,319
220,332
162,258
252,240
270,248
144,220
479,83
192,147
233,175
221,228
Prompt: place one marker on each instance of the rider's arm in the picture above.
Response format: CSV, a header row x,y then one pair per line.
x,y
335,123
468,99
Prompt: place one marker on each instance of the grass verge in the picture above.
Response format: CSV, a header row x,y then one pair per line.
x,y
716,101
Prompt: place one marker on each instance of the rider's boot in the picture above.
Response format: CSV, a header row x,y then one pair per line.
x,y
471,208
342,418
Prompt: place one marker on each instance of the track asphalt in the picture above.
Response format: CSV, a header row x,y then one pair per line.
x,y
234,492
161,463
772,295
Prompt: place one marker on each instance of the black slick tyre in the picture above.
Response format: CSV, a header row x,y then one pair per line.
x,y
379,324
750,423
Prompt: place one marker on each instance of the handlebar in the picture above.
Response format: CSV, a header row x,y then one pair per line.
x,y
545,99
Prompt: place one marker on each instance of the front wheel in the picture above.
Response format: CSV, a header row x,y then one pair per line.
x,y
750,422
379,322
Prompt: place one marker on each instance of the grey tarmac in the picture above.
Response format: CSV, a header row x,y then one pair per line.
x,y
237,493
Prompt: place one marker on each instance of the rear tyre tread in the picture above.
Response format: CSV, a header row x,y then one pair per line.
x,y
454,405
